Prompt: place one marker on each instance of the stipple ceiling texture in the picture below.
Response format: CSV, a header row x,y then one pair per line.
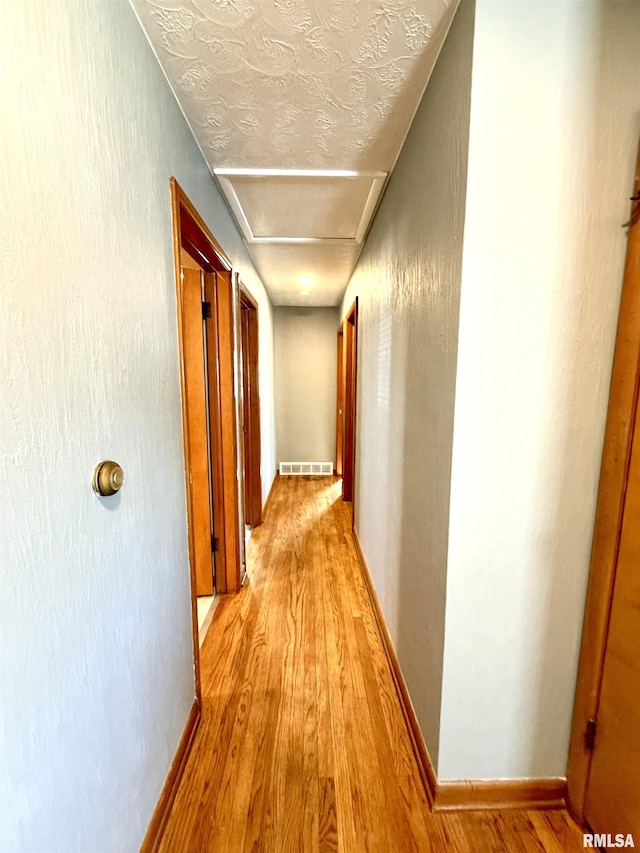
x,y
313,85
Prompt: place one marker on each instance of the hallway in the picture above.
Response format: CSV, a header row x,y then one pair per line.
x,y
302,744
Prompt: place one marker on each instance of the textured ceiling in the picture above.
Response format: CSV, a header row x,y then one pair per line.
x,y
289,84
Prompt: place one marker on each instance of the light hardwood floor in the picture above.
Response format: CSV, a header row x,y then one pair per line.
x,y
302,744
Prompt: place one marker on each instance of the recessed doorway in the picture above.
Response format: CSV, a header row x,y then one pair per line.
x,y
251,452
205,303
346,403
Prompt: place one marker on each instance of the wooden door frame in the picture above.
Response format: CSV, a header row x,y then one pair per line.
x,y
339,404
252,484
191,233
203,429
616,458
222,290
350,373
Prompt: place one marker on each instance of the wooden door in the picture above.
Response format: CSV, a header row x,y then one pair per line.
x,y
612,802
247,497
220,284
340,405
195,372
215,433
349,431
603,773
251,455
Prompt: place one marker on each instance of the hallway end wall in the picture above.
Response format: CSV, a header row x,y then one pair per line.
x,y
96,651
408,285
305,341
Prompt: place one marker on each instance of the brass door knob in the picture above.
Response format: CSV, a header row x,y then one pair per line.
x,y
108,478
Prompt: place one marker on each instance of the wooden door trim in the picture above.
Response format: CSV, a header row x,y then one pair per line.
x,y
195,236
352,318
210,256
176,201
616,457
228,415
350,347
339,404
246,300
216,432
194,348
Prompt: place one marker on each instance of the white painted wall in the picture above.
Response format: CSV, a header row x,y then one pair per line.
x,y
95,643
305,342
555,120
408,284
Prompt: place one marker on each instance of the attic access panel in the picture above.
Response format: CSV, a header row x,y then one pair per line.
x,y
302,206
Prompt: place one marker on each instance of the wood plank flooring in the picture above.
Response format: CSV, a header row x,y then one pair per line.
x,y
302,744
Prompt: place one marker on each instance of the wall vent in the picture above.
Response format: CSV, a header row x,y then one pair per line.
x,y
298,469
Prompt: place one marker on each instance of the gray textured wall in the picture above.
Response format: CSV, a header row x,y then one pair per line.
x,y
305,343
96,652
408,283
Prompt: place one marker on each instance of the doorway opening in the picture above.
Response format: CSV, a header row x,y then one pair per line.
x,y
204,290
251,451
346,404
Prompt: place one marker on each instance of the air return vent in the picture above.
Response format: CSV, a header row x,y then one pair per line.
x,y
298,469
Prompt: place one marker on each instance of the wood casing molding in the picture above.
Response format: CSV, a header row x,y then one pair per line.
x,y
216,434
229,444
348,393
465,794
616,458
194,228
160,815
249,340
177,201
337,470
